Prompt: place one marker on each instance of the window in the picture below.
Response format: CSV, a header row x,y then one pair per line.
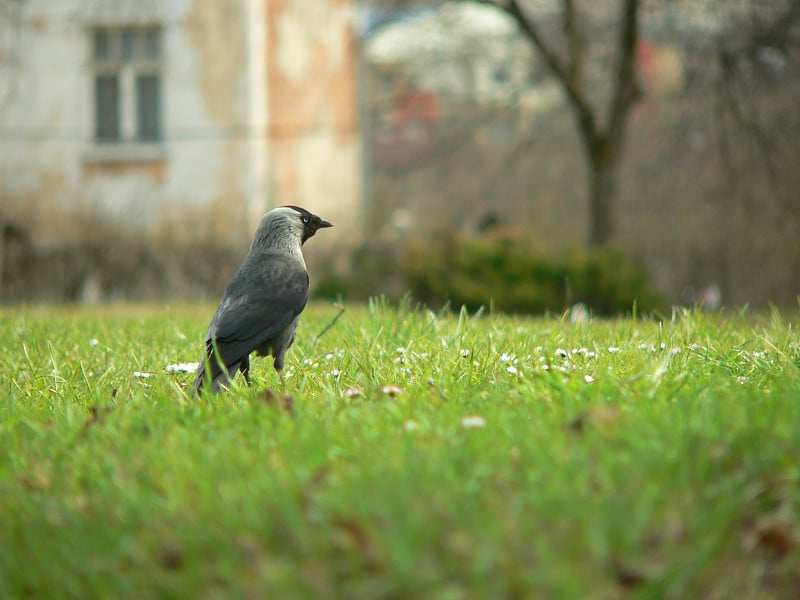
x,y
127,85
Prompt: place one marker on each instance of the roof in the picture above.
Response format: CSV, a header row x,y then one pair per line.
x,y
455,27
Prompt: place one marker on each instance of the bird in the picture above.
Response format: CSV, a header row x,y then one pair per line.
x,y
261,305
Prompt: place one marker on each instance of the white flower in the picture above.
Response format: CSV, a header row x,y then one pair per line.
x,y
676,350
411,425
93,342
352,392
613,349
562,353
401,350
588,379
473,421
392,390
189,367
328,356
335,373
512,369
142,374
505,357
464,353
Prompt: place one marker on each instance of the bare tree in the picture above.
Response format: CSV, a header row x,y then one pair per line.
x,y
758,58
602,130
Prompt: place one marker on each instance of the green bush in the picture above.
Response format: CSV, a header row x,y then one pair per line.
x,y
509,272
514,275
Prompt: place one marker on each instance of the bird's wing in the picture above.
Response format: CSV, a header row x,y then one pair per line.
x,y
267,292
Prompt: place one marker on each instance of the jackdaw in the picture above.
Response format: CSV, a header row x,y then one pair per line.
x,y
261,306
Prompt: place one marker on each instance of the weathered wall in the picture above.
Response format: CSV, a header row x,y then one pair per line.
x,y
259,110
50,176
314,136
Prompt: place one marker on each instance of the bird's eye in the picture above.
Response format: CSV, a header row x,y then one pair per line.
x,y
305,219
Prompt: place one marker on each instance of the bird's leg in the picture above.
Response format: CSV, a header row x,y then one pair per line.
x,y
278,364
244,367
283,381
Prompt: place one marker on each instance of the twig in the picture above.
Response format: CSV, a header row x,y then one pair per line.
x,y
329,325
437,389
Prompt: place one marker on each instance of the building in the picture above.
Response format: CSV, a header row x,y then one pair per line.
x,y
177,120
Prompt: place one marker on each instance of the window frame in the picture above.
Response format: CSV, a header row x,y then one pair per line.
x,y
145,59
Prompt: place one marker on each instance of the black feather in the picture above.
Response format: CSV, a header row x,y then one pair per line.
x,y
262,303
263,299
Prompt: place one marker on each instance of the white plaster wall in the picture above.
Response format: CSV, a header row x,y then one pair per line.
x,y
220,160
46,127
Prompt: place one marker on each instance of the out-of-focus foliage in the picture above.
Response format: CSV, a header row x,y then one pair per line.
x,y
510,273
514,275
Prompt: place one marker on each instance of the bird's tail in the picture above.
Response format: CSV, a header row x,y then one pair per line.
x,y
211,369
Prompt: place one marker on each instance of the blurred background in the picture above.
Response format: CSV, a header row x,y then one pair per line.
x,y
528,154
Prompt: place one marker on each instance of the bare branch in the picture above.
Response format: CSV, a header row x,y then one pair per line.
x,y
575,46
329,325
626,90
575,96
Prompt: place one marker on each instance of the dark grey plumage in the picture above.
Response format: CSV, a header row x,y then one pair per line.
x,y
261,306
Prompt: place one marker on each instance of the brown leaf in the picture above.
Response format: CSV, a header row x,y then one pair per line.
x,y
774,537
352,535
171,555
283,401
628,577
593,417
96,415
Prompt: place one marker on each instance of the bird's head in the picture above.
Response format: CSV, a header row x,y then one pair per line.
x,y
287,227
310,222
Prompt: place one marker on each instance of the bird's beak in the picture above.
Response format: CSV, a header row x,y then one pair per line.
x,y
323,223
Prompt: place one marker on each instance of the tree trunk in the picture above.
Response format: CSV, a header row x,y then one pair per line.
x,y
603,179
602,138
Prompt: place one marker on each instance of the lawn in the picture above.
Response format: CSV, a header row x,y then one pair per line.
x,y
415,455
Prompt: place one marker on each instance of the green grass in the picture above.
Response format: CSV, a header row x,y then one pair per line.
x,y
654,460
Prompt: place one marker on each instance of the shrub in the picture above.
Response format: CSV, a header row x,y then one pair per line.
x,y
514,275
508,271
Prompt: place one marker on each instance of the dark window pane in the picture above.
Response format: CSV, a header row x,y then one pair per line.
x,y
152,42
106,118
148,108
128,41
102,45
